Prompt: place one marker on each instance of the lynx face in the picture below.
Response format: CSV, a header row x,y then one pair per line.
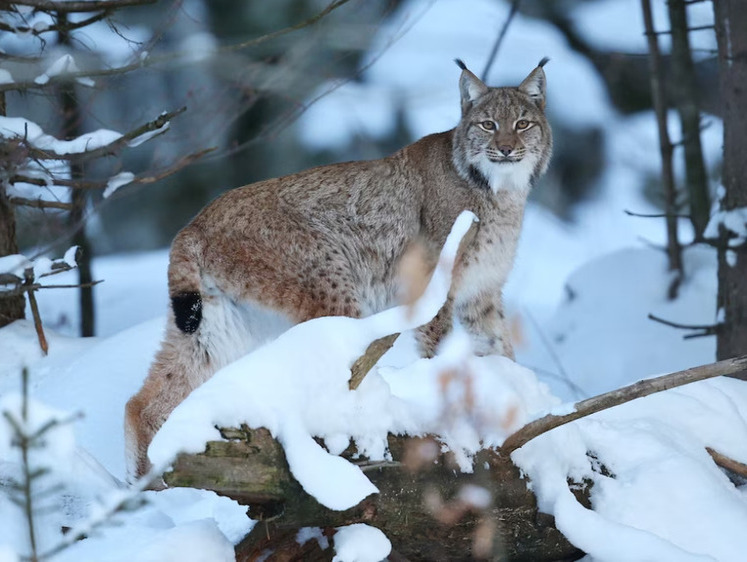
x,y
503,140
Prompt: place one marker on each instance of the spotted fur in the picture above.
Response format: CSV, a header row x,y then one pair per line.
x,y
328,241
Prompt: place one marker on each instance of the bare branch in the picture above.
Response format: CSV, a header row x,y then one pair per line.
x,y
728,463
169,57
332,6
40,203
620,396
61,25
80,6
499,39
366,361
706,330
655,215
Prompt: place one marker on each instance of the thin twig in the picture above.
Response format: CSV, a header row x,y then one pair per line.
x,y
654,215
40,203
38,323
620,396
704,330
499,39
564,376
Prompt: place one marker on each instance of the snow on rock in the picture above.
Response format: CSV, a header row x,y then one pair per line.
x,y
5,77
270,388
360,543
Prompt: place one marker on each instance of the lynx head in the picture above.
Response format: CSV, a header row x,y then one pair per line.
x,y
503,140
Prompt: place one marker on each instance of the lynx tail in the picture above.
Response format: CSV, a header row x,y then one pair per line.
x,y
184,282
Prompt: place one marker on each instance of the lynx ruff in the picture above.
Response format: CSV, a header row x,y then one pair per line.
x,y
328,241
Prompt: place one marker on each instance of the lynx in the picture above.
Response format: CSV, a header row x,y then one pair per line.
x,y
328,241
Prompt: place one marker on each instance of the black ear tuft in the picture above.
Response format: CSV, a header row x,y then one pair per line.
x,y
187,311
544,61
460,64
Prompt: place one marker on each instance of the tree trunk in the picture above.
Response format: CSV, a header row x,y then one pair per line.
x,y
71,128
731,23
419,506
685,93
674,250
11,308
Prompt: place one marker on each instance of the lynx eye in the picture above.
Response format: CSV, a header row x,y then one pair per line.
x,y
522,124
487,125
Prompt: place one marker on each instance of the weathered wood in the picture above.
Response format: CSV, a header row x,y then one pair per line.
x,y
620,396
421,506
366,361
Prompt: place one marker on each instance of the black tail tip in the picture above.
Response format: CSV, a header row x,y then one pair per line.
x,y
543,62
460,64
187,311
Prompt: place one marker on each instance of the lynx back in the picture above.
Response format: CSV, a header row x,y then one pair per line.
x,y
329,241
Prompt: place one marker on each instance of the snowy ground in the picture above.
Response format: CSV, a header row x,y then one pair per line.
x,y
663,497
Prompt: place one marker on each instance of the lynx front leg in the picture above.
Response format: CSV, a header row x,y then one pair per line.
x,y
430,335
485,321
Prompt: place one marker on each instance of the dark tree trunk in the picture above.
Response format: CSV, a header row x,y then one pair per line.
x,y
685,94
674,250
731,32
11,308
71,128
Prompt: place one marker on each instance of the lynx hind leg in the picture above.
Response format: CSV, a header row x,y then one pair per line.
x,y
173,375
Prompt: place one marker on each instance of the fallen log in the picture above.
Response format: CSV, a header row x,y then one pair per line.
x,y
427,508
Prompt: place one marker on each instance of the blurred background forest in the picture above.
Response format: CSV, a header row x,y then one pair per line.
x,y
370,76
271,88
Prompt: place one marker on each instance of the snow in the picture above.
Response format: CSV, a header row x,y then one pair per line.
x,y
360,543
18,127
63,65
5,77
117,181
272,388
656,494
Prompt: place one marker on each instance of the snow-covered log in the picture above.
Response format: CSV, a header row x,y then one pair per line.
x,y
426,506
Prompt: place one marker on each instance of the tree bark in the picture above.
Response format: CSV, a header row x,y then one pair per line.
x,y
674,250
419,506
731,23
685,93
11,308
71,128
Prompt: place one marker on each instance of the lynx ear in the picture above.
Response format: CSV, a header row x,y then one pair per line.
x,y
535,84
470,87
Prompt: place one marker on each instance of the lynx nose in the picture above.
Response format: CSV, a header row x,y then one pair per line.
x,y
505,149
